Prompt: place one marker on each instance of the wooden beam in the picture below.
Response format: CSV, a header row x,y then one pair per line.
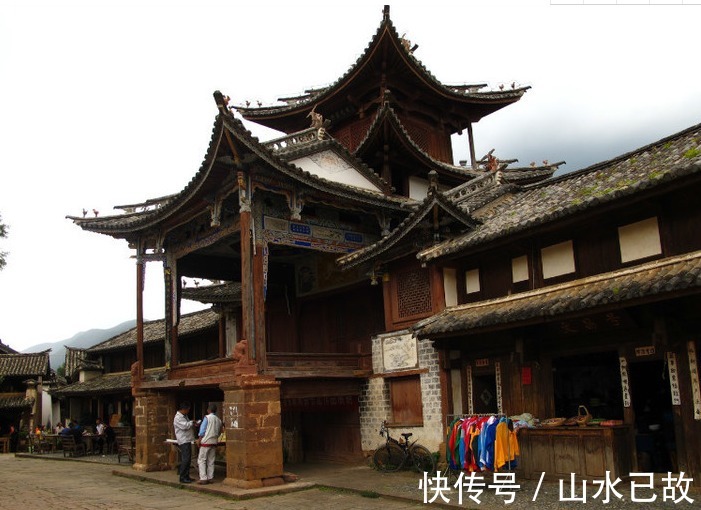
x,y
232,146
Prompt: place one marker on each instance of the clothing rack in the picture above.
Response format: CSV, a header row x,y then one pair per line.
x,y
451,417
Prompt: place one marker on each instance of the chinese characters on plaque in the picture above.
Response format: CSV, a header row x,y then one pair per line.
x,y
694,373
674,378
625,382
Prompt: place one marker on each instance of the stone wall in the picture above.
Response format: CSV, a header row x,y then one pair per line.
x,y
253,432
375,400
153,416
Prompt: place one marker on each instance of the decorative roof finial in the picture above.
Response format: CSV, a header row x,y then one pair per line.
x,y
385,13
317,119
433,180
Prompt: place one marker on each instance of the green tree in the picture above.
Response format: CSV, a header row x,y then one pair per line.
x,y
3,234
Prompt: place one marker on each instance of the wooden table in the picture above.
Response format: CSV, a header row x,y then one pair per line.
x,y
5,444
53,439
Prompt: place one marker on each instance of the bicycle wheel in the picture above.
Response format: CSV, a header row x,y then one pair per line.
x,y
423,459
388,457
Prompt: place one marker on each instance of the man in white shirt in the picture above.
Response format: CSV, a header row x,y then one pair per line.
x,y
185,435
208,439
100,433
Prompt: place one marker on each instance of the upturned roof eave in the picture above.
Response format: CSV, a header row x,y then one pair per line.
x,y
387,114
113,225
433,199
385,34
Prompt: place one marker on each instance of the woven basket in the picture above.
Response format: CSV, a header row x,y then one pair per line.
x,y
583,416
552,422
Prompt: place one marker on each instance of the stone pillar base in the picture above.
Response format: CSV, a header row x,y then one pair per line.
x,y
251,413
254,484
148,467
152,429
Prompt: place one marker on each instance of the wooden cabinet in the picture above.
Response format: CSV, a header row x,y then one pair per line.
x,y
588,452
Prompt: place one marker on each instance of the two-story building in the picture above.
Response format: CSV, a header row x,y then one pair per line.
x,y
368,277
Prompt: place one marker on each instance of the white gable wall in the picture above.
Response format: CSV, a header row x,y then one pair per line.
x,y
328,165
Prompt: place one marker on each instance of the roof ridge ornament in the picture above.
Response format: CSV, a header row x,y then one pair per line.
x,y
433,180
406,43
385,13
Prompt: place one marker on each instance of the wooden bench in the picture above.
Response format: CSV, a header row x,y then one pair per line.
x,y
125,448
70,447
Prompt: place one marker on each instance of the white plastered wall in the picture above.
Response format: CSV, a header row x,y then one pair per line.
x,y
375,401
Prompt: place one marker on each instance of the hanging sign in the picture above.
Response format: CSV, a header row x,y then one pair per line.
x,y
694,372
470,404
482,362
674,378
625,382
497,375
648,350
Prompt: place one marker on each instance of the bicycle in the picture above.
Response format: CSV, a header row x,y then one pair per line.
x,y
394,454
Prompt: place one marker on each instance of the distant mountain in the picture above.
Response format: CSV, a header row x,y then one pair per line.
x,y
81,340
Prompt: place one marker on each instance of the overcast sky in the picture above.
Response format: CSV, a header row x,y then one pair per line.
x,y
109,103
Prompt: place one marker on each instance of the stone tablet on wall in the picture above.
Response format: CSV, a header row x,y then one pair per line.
x,y
400,352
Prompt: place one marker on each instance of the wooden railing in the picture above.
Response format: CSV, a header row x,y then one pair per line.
x,y
289,365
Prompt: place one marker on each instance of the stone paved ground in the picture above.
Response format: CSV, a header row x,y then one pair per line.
x,y
28,483
90,483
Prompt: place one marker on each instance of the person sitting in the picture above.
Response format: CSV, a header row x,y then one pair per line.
x,y
66,431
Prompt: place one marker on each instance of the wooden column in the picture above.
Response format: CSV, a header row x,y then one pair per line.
x,y
170,347
140,272
471,142
222,333
259,305
247,300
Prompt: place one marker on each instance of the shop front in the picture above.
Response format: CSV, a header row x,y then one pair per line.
x,y
613,391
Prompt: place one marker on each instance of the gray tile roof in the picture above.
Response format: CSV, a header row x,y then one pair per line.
x,y
108,383
434,201
302,144
154,331
73,360
25,365
458,93
386,114
636,172
229,292
652,281
124,224
16,402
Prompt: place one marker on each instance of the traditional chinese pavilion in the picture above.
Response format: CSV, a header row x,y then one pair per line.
x,y
309,356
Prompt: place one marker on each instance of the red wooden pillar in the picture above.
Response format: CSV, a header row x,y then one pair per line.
x,y
259,304
140,273
247,327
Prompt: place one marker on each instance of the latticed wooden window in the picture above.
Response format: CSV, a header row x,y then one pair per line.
x,y
413,293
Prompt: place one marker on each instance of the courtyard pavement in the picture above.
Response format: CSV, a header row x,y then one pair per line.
x,y
94,482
